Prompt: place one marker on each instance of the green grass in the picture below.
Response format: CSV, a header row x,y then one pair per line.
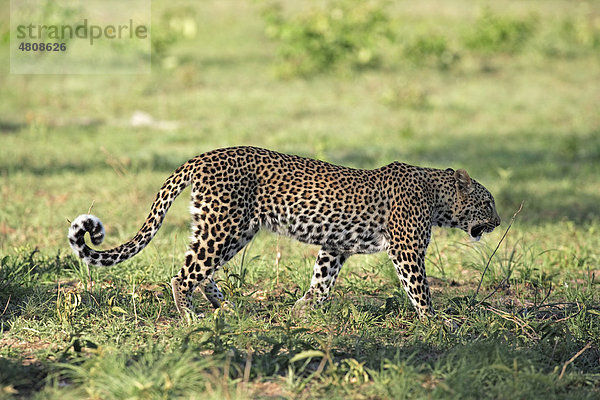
x,y
520,115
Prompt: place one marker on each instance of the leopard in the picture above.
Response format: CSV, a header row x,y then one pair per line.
x,y
237,191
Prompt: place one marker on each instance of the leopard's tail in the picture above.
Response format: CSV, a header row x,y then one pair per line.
x,y
172,187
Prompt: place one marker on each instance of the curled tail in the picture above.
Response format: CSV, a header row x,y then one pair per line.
x,y
172,187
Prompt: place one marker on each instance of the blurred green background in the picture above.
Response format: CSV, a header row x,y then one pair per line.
x,y
508,90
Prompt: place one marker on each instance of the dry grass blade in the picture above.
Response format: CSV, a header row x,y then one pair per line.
x,y
493,254
91,206
580,352
527,329
247,367
6,306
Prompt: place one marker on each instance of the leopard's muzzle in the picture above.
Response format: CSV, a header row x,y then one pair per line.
x,y
477,230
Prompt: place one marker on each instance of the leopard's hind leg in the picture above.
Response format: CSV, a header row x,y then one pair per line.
x,y
183,294
213,245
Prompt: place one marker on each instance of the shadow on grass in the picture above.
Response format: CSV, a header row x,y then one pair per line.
x,y
483,369
20,377
7,126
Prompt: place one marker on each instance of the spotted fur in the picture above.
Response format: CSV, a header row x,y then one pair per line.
x,y
237,191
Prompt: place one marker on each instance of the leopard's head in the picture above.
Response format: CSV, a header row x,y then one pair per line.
x,y
474,209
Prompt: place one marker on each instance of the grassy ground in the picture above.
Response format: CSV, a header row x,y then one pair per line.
x,y
521,117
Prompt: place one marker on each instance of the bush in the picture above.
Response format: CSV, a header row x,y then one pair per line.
x,y
430,50
171,27
571,37
345,33
494,33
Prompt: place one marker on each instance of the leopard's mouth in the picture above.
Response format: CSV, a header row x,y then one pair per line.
x,y
477,230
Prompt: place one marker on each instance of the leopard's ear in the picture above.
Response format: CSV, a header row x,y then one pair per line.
x,y
463,181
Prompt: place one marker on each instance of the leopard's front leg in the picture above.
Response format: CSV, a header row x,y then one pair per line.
x,y
325,272
410,267
409,238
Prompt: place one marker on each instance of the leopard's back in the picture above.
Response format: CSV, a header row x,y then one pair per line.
x,y
313,201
